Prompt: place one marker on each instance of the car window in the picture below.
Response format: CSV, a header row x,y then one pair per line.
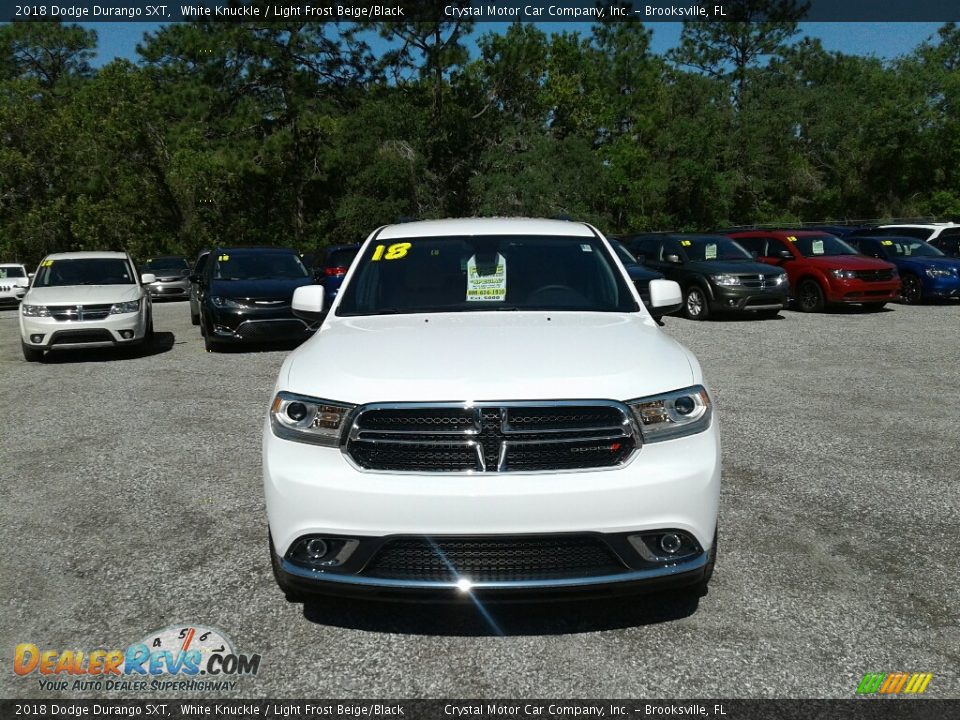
x,y
84,271
169,263
625,257
775,246
248,265
949,246
713,248
915,232
201,264
821,245
903,247
11,272
341,258
753,244
488,272
670,247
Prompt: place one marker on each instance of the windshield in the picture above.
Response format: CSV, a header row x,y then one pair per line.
x,y
910,248
490,272
168,263
258,266
625,257
13,271
715,248
84,271
820,245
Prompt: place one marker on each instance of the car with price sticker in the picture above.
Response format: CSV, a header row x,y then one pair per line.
x,y
823,269
715,274
244,296
85,300
489,409
926,273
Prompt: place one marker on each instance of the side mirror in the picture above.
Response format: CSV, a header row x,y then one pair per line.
x,y
148,278
308,303
671,258
785,255
665,297
30,276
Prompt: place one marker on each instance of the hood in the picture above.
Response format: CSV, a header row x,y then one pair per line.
x,y
82,294
275,288
488,356
922,263
848,262
730,267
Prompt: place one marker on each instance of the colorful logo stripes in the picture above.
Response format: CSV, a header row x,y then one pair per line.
x,y
894,683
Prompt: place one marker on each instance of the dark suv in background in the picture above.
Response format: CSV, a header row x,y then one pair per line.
x,y
331,272
245,295
715,274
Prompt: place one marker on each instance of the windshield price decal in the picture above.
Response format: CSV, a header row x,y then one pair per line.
x,y
792,238
490,286
686,243
223,258
393,252
886,242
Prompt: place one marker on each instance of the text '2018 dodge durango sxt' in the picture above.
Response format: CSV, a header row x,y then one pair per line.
x,y
488,408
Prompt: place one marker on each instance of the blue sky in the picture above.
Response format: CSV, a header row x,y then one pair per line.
x,y
884,40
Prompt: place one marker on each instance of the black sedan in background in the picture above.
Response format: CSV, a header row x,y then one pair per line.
x,y
245,295
715,273
640,275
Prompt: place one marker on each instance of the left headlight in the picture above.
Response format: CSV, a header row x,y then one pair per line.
x,y
844,274
306,419
35,310
725,279
939,272
125,307
674,414
780,279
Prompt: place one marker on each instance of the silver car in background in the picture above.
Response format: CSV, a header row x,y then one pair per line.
x,y
173,277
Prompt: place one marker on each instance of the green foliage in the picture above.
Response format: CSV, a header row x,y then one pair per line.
x,y
297,134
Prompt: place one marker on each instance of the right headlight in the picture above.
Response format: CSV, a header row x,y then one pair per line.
x,y
35,310
306,419
939,272
673,414
222,302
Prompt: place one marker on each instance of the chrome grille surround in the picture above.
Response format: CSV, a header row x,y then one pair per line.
x,y
759,280
527,436
66,313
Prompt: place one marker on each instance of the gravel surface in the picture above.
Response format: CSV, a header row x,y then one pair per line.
x,y
131,500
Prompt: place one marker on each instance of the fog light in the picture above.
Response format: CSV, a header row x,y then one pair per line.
x,y
670,543
36,338
317,548
126,334
296,411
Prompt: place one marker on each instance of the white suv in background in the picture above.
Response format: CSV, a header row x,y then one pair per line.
x,y
14,282
489,408
83,300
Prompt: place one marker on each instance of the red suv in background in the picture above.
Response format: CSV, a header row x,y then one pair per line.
x,y
823,269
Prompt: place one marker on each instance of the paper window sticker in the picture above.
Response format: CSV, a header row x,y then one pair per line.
x,y
586,248
491,286
817,247
710,251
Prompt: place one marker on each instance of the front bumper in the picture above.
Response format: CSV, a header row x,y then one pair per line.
x,y
251,325
745,299
861,291
946,288
12,298
59,334
169,289
312,490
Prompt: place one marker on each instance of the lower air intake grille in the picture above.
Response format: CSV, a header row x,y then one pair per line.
x,y
490,560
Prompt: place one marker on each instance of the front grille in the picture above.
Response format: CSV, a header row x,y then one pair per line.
x,y
759,280
491,437
80,312
264,303
494,559
68,337
266,329
874,275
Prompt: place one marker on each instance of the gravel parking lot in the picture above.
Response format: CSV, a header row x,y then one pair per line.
x,y
131,499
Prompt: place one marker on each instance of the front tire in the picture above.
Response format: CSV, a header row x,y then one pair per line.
x,y
695,304
912,291
810,297
31,354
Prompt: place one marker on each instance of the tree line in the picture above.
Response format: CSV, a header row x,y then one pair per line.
x,y
308,134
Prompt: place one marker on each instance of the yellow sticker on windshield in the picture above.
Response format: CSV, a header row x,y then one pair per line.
x,y
392,252
886,242
686,243
792,238
223,258
46,263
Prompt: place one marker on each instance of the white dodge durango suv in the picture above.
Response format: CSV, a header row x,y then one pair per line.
x,y
488,408
85,299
